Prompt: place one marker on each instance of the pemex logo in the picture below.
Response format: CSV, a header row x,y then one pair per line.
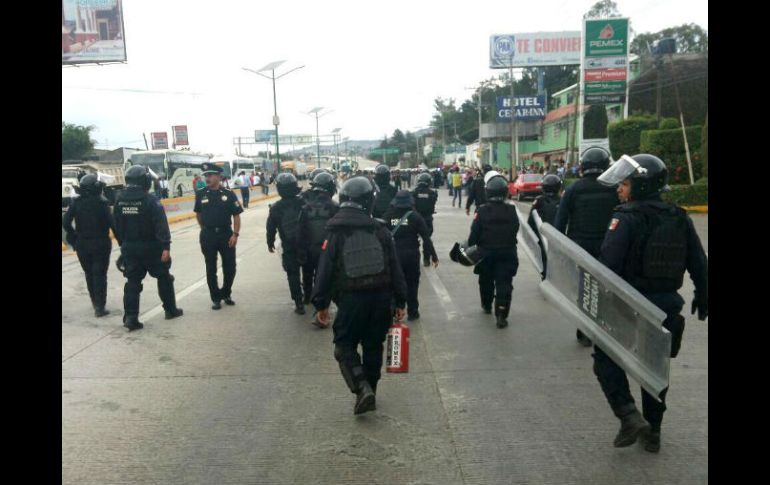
x,y
607,32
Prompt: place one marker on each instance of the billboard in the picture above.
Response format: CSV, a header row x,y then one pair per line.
x,y
527,108
606,38
605,61
180,135
534,49
92,31
263,136
159,140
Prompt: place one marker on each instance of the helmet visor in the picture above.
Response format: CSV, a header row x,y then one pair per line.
x,y
619,171
490,174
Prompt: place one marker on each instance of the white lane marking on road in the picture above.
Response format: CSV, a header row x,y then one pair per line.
x,y
182,294
443,294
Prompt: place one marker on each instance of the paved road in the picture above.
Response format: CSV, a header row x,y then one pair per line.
x,y
251,394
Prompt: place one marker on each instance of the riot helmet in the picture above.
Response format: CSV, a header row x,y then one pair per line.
x,y
424,180
90,185
382,175
647,173
138,176
315,172
594,160
287,186
496,188
324,182
467,256
551,184
357,192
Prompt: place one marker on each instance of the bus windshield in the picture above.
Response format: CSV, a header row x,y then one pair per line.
x,y
152,160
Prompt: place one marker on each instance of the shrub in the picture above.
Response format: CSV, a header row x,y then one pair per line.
x,y
685,195
625,135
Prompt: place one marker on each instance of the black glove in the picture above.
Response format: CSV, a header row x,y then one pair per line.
x,y
72,241
702,305
120,263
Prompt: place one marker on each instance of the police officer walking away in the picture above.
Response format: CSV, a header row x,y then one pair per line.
x,y
425,204
142,232
545,206
385,191
494,229
477,193
360,272
649,243
308,194
216,208
312,227
586,208
406,224
284,218
90,237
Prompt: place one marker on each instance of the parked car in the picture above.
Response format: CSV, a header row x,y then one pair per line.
x,y
526,185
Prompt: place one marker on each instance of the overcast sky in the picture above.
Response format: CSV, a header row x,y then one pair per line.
x,y
378,65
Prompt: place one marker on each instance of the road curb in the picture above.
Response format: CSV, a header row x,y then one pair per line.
x,y
697,209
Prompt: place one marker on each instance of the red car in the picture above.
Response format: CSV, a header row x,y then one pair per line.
x,y
526,185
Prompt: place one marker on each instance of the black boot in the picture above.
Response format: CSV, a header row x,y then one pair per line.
x,y
217,305
365,399
487,309
299,307
131,322
176,312
584,341
306,300
100,312
501,312
631,426
651,440
229,301
413,316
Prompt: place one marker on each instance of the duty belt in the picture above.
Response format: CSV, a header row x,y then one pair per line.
x,y
217,229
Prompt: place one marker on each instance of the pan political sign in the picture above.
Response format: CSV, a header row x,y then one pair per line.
x,y
534,49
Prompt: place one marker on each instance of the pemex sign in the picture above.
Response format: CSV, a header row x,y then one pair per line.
x,y
605,60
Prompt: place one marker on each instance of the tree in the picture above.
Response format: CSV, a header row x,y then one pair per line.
x,y
689,38
603,9
76,141
595,122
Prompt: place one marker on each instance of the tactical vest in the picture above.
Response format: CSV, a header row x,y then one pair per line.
x,y
658,257
318,214
424,202
133,208
91,221
498,222
289,224
591,210
547,207
362,263
382,200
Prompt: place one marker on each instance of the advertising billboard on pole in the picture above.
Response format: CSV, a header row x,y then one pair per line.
x,y
180,135
528,108
159,140
92,32
605,61
534,49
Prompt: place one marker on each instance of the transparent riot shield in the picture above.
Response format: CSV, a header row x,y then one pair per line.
x,y
528,241
614,315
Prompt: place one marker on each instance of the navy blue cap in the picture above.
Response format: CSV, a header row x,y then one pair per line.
x,y
208,167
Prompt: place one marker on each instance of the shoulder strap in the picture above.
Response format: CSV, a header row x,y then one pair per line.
x,y
400,223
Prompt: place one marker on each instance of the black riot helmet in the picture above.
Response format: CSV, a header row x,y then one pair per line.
x,y
287,186
486,168
315,172
594,160
138,176
424,180
382,175
324,182
496,188
467,256
90,185
551,184
357,192
647,173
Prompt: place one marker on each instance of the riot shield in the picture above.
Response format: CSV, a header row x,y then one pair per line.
x,y
538,225
613,314
528,241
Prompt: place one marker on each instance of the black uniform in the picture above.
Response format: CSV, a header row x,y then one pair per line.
x,y
546,206
408,250
650,243
360,272
584,212
142,231
382,200
217,208
307,196
494,229
476,194
312,233
425,203
284,218
91,239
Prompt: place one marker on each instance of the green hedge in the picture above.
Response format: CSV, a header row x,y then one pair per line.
x,y
669,146
624,135
704,146
697,194
668,124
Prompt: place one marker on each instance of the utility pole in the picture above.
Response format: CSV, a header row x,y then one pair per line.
x,y
681,118
514,131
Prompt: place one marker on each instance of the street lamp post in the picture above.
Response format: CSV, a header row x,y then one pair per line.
x,y
315,111
276,121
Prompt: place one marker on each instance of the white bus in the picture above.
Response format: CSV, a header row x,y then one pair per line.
x,y
178,167
232,166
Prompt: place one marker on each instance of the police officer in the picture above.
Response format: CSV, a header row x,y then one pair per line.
x,y
142,232
312,227
494,230
284,218
385,190
360,272
586,208
477,192
545,206
90,237
216,209
406,224
425,204
650,244
307,195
